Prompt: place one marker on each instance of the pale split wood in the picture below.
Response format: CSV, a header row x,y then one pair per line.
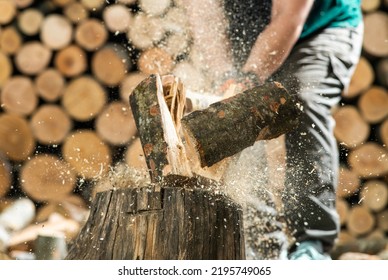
x,y
32,58
50,84
50,124
30,21
46,177
56,31
17,141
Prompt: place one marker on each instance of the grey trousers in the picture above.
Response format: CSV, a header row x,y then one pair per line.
x,y
317,70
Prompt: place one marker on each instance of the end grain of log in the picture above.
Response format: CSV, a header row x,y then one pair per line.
x,y
84,98
62,3
50,124
93,5
155,61
153,8
110,64
45,177
382,220
117,18
32,58
30,21
373,104
50,85
6,68
19,96
17,141
368,6
10,40
87,154
376,34
374,195
129,83
56,31
76,12
383,133
360,220
351,129
342,207
382,72
7,11
363,77
115,124
5,177
134,156
91,34
348,183
369,160
71,61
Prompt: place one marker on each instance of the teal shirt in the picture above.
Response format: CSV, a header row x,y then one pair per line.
x,y
332,13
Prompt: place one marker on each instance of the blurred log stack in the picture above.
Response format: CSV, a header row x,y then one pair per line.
x,y
362,134
67,68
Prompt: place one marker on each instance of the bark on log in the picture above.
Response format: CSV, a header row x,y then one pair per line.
x,y
115,124
376,34
87,154
50,124
348,183
351,129
71,61
369,160
56,31
47,178
360,220
91,34
178,220
362,79
32,58
19,96
117,18
30,21
10,40
374,195
50,85
6,68
17,142
373,104
229,126
84,98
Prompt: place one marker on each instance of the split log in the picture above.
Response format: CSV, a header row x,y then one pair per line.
x,y
50,85
19,96
145,31
83,98
10,40
376,34
45,177
76,12
383,133
369,160
91,34
382,72
71,61
32,58
153,8
87,154
56,31
373,104
30,21
374,195
5,176
7,11
129,83
229,126
360,220
181,219
155,61
110,64
362,79
117,18
351,129
368,6
50,124
115,124
17,141
348,183
6,68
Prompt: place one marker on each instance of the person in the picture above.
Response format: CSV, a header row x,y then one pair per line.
x,y
312,48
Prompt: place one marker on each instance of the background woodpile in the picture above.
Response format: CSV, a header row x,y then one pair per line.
x,y
66,70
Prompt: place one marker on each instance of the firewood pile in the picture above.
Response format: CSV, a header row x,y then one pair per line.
x,y
67,68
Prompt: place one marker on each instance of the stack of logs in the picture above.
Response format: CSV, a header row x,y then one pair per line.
x,y
362,133
67,68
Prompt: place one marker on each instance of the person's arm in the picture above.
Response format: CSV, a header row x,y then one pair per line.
x,y
208,26
275,43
